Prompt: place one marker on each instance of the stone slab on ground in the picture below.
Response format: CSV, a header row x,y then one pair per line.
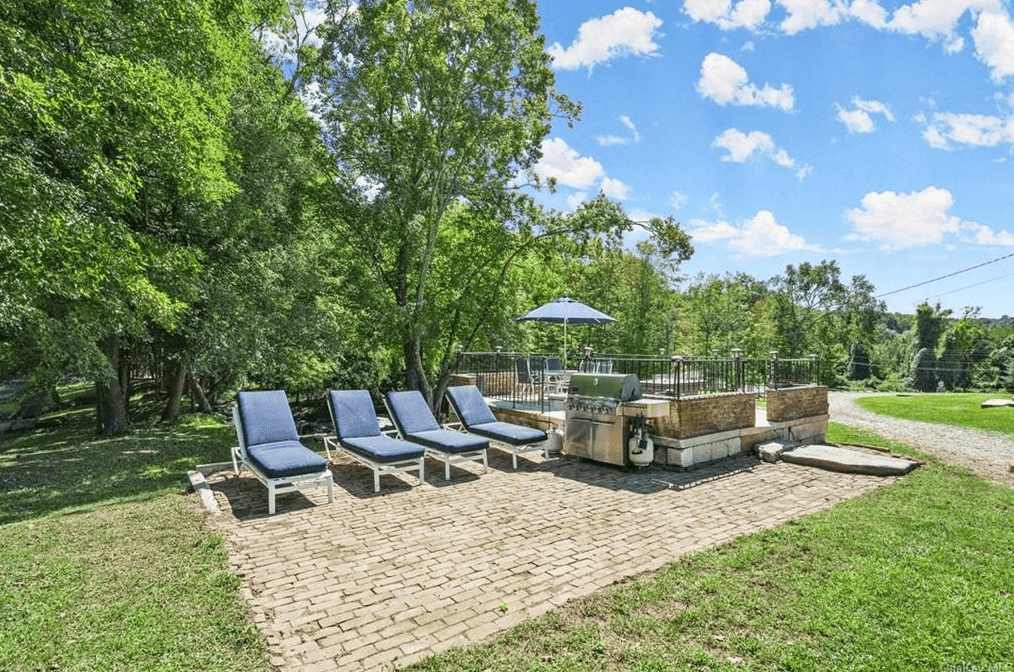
x,y
772,451
849,461
997,403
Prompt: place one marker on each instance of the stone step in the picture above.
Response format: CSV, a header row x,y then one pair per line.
x,y
848,461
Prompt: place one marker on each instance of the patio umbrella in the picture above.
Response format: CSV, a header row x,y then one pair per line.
x,y
566,310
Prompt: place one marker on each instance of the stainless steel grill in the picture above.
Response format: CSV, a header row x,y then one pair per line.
x,y
595,424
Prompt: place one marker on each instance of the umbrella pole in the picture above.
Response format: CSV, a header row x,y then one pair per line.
x,y
565,342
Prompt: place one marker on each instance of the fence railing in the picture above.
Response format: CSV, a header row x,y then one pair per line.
x,y
534,380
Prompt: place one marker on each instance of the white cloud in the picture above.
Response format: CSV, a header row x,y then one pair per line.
x,y
728,16
759,236
806,14
993,36
725,81
611,140
576,199
626,121
559,160
937,19
859,120
614,188
742,146
983,235
626,31
905,220
677,200
973,130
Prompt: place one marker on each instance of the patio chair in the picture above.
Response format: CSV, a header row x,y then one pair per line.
x,y
553,364
358,435
415,423
475,416
524,375
269,446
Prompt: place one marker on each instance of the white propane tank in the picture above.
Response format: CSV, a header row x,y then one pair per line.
x,y
641,449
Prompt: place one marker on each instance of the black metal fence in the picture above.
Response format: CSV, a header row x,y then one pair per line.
x,y
535,380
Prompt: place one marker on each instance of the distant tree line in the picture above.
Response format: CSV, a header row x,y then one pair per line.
x,y
198,195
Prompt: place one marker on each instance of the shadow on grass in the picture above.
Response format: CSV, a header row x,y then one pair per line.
x,y
62,465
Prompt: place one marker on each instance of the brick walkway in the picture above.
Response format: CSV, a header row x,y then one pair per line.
x,y
381,580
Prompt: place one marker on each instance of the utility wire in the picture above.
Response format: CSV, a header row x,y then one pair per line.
x,y
949,275
970,286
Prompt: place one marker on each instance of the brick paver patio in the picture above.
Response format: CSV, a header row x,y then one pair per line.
x,y
375,581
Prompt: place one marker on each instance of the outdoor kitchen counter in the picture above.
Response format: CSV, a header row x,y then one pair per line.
x,y
649,408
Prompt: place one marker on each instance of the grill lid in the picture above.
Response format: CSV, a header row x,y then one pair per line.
x,y
619,386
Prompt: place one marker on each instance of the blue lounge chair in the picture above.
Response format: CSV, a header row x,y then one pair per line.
x,y
415,422
269,446
475,416
358,435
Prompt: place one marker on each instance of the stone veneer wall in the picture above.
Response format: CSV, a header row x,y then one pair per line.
x,y
490,384
706,414
796,402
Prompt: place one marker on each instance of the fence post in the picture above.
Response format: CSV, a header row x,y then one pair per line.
x,y
737,363
675,360
773,370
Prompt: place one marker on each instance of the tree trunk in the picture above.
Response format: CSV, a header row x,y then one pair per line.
x,y
176,384
110,397
415,373
197,393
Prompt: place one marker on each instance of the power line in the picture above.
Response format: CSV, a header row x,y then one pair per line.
x,y
949,275
984,282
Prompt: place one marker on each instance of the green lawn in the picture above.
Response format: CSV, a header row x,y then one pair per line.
x,y
104,564
960,410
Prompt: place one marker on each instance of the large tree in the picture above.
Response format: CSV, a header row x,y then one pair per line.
x,y
427,105
115,141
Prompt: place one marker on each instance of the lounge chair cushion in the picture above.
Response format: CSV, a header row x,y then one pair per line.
x,y
469,405
412,415
449,442
266,418
353,414
383,448
515,435
285,458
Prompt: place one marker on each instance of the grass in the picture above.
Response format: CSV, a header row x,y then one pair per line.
x,y
104,564
960,410
914,576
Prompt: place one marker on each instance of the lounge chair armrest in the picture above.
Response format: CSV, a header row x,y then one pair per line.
x,y
455,426
329,442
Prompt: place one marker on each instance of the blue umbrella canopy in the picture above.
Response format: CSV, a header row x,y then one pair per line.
x,y
566,310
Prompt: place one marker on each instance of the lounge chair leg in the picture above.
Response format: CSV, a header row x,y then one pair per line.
x,y
447,469
271,499
514,455
422,469
485,462
376,480
330,489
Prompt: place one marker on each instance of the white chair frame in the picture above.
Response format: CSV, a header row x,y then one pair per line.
x,y
379,468
278,486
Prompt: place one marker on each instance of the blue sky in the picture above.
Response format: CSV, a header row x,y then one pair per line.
x,y
874,132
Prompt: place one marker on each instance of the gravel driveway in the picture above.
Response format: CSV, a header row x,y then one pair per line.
x,y
988,455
